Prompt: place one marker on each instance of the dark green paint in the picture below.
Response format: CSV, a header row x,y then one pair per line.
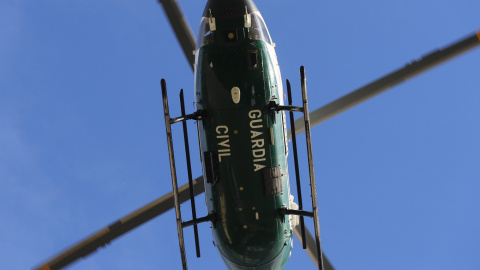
x,y
248,231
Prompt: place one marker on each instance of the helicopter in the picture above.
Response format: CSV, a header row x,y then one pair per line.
x,y
270,28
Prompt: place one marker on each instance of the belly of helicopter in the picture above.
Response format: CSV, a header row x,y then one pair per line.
x,y
244,161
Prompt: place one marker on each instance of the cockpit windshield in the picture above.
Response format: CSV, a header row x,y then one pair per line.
x,y
258,30
205,36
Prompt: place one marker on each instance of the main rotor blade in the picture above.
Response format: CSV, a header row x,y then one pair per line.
x,y
388,81
104,236
181,28
312,248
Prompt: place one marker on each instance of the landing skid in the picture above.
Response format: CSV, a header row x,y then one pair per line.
x,y
194,221
300,212
283,211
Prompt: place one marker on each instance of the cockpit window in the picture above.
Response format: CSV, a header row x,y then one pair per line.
x,y
259,30
205,36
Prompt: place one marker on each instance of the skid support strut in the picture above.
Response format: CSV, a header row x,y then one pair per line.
x,y
297,172
313,189
174,175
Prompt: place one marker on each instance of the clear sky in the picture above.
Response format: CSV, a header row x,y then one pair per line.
x,y
82,137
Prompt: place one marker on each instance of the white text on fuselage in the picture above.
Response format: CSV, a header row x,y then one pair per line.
x,y
258,142
224,144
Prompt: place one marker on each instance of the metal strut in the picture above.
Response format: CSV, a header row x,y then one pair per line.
x,y
189,170
178,214
306,118
297,172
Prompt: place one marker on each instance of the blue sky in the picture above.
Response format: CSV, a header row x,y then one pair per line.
x,y
82,138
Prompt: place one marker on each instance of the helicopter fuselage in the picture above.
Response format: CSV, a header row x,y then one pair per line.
x,y
242,143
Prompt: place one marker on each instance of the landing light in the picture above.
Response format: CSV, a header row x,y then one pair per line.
x,y
236,95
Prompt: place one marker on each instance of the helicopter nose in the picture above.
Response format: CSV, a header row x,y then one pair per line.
x,y
228,8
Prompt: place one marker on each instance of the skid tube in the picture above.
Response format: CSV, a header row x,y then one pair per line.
x,y
313,189
171,156
284,211
168,122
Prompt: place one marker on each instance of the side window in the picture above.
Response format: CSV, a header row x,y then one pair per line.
x,y
252,59
211,167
